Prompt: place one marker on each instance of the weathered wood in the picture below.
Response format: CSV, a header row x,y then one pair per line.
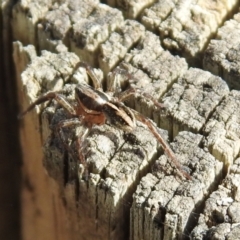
x,y
152,70
117,160
164,206
80,25
119,43
223,130
42,209
150,57
130,9
220,217
222,54
191,101
25,16
187,26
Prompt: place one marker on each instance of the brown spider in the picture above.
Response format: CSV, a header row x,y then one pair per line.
x,y
93,106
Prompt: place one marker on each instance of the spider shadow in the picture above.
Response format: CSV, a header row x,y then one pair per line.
x,y
136,148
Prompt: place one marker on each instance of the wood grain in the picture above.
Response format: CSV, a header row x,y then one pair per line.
x,y
134,191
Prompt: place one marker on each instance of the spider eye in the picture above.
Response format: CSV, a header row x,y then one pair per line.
x,y
119,116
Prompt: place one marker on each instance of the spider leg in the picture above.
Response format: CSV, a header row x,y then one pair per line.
x,y
59,129
167,149
83,170
133,91
123,95
49,96
114,84
79,155
97,84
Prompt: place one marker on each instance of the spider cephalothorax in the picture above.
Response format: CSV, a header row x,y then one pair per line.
x,y
95,107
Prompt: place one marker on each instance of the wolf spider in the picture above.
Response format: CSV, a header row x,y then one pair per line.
x,y
93,106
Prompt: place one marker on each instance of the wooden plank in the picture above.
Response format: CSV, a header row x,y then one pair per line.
x,y
133,189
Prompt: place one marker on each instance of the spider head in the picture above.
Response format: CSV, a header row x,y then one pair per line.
x,y
119,116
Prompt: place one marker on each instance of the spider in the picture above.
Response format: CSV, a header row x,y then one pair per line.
x,y
95,107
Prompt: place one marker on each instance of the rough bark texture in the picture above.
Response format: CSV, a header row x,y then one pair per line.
x,y
134,191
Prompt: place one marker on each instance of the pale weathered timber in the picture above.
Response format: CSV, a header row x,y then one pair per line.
x,y
223,130
116,159
118,44
161,66
131,9
187,26
166,207
153,70
119,175
90,32
25,16
112,183
43,213
81,25
220,218
222,55
78,25
192,100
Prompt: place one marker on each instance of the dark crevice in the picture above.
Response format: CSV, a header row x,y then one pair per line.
x,y
10,151
97,208
65,168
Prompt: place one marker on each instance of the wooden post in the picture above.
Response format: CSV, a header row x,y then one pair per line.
x,y
134,191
